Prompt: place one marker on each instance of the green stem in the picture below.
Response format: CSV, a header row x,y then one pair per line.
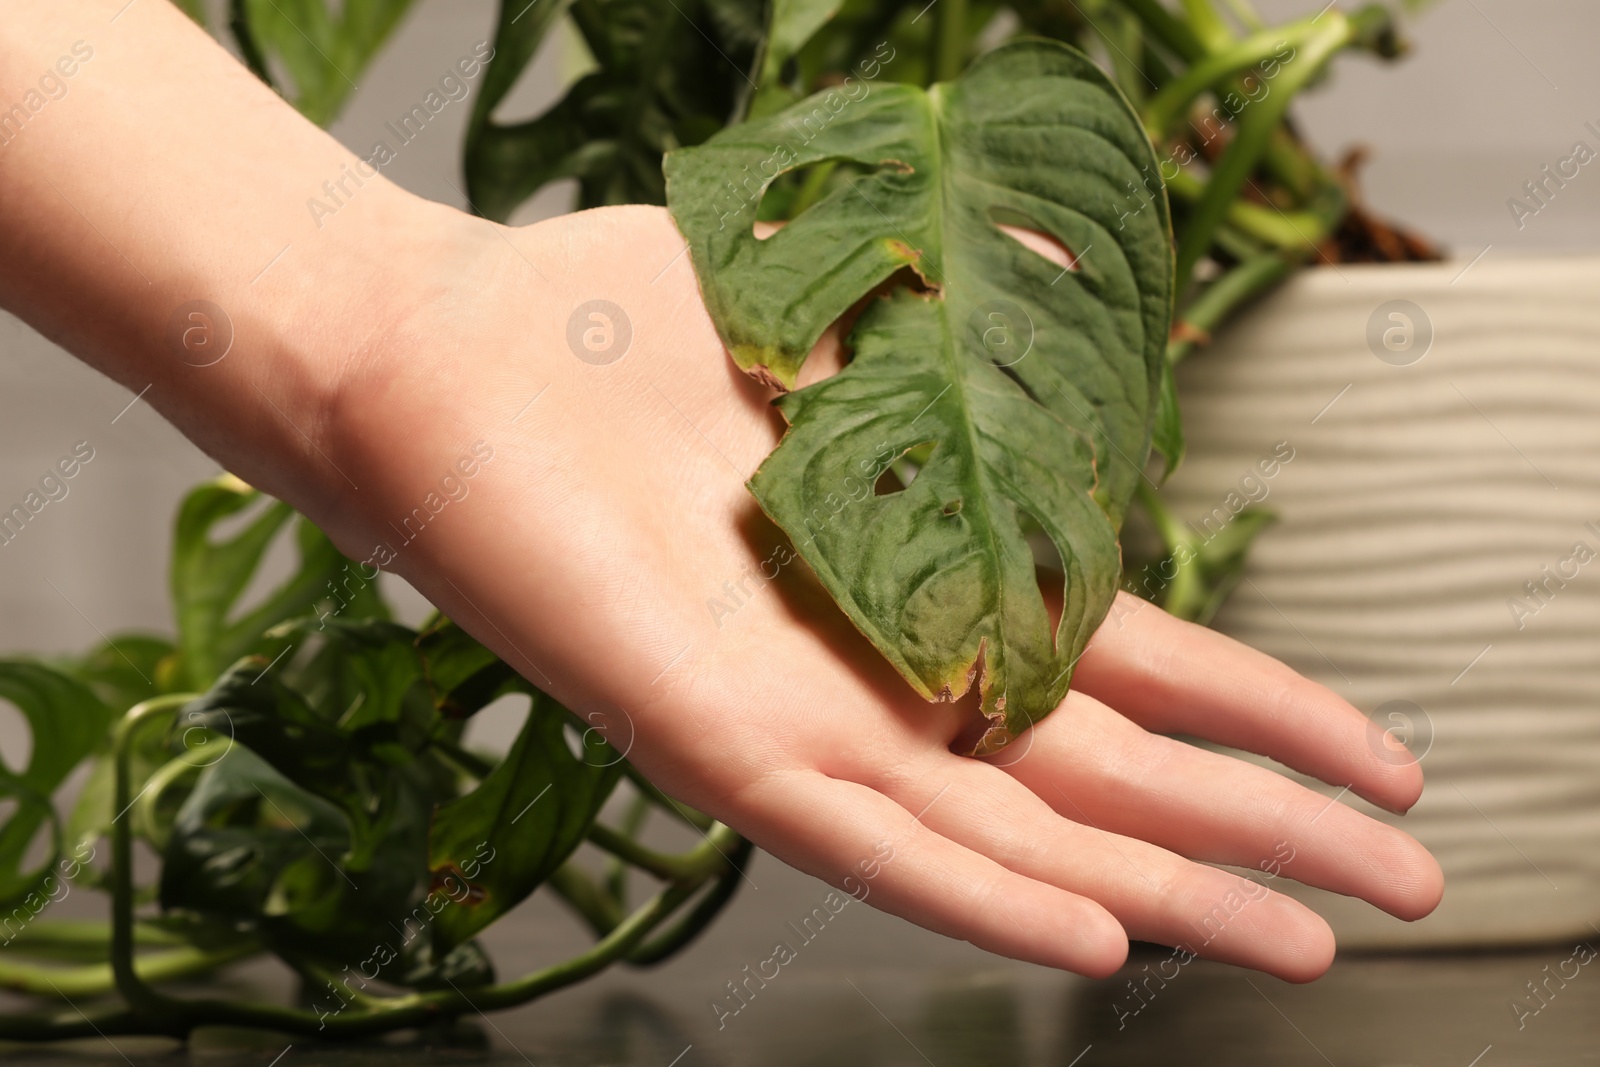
x,y
812,188
597,908
97,979
81,939
692,925
1168,107
1173,33
633,820
668,868
1253,134
1245,13
129,983
245,36
1295,231
951,42
469,761
684,812
1223,297
413,1010
1208,25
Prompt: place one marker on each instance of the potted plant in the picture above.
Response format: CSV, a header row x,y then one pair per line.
x,y
964,200
300,775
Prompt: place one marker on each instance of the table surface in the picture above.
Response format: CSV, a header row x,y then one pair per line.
x,y
1448,1009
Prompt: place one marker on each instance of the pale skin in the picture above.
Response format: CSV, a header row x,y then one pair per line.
x,y
372,354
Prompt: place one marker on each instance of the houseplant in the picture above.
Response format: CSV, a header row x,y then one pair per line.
x,y
363,700
295,761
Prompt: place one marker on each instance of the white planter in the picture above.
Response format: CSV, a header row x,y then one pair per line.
x,y
1420,500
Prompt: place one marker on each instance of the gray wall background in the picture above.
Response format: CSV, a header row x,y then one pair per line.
x,y
1495,90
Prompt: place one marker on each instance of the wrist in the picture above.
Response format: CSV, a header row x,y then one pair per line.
x,y
351,314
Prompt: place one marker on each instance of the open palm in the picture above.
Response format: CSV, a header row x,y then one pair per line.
x,y
610,551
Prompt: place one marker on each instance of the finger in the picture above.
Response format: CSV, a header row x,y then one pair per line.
x,y
1156,895
1092,765
1171,676
841,832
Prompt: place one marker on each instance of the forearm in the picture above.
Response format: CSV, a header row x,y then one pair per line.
x,y
144,171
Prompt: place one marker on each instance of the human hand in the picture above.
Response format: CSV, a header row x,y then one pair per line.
x,y
610,552
370,353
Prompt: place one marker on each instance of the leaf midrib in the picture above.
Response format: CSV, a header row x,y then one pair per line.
x,y
936,101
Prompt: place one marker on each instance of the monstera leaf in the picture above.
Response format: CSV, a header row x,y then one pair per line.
x,y
1026,389
211,574
65,721
322,46
491,848
665,74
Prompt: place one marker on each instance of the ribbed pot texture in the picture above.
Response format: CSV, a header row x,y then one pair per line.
x,y
1434,562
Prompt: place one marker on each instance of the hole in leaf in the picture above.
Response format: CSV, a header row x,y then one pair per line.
x,y
16,739
790,194
1030,235
1049,571
834,351
494,729
574,737
900,472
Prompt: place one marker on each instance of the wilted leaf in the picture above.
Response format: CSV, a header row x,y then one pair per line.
x,y
1035,385
491,848
463,676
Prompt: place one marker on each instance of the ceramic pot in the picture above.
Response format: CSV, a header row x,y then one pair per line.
x,y
1437,558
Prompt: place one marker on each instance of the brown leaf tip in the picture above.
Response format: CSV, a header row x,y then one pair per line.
x,y
763,374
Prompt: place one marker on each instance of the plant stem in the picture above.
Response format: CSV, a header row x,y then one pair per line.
x,y
1173,33
684,812
141,997
692,925
97,979
249,48
597,908
1208,24
1223,297
950,40
1168,106
1253,134
1289,230
668,868
81,940
467,760
633,820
